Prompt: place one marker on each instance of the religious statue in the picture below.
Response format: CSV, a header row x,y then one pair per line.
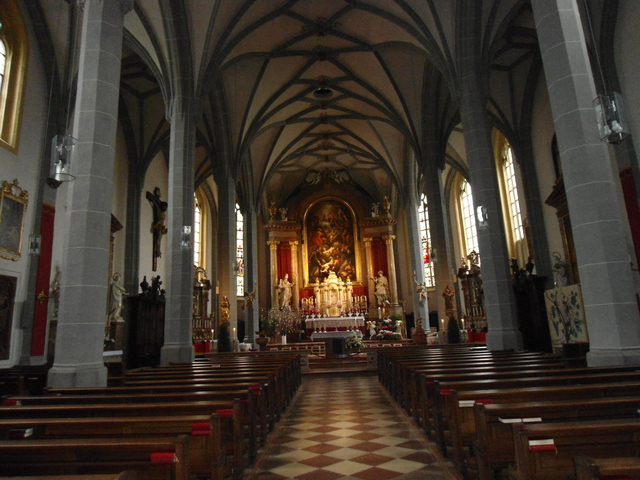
x,y
560,274
374,209
115,304
285,287
273,210
54,293
386,205
448,294
144,285
421,288
381,288
224,310
371,326
249,298
157,226
283,213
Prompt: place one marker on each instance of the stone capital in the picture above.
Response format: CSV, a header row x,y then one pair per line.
x,y
294,243
389,239
126,6
273,244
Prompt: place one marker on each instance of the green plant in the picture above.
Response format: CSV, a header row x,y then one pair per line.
x,y
224,338
453,331
354,343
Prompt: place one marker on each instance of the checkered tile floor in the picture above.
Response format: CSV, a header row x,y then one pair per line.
x,y
347,428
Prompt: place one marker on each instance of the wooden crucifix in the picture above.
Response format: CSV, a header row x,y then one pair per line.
x,y
157,226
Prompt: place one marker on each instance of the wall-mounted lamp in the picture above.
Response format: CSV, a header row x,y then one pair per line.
x,y
34,244
612,123
62,148
185,237
482,217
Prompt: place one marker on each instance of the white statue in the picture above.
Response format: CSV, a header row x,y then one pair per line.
x,y
560,274
115,305
382,288
421,288
372,328
285,286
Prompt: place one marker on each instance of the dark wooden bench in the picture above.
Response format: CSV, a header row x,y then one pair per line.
x,y
493,442
232,434
546,451
23,380
620,468
128,475
152,458
205,452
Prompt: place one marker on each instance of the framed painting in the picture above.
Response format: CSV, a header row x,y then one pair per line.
x,y
330,240
13,207
565,312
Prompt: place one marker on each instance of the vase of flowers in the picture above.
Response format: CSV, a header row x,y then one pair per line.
x,y
354,343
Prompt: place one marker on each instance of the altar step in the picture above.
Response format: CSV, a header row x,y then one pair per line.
x,y
322,364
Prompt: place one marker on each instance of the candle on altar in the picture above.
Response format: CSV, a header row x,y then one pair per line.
x,y
379,312
234,332
442,320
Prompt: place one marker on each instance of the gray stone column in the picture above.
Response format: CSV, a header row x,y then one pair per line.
x,y
498,291
597,217
227,260
252,307
273,269
440,238
178,329
420,305
85,265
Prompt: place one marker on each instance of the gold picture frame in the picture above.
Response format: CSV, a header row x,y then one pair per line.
x,y
13,207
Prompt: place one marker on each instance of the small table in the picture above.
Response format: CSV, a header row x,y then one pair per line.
x,y
335,342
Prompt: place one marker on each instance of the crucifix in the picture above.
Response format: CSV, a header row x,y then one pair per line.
x,y
157,226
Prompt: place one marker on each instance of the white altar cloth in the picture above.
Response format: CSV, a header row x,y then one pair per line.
x,y
320,336
334,322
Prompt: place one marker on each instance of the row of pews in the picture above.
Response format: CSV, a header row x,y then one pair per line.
x,y
522,414
204,419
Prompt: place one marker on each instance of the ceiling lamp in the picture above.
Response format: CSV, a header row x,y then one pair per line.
x,y
323,93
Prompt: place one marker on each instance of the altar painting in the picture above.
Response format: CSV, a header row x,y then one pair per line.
x,y
330,241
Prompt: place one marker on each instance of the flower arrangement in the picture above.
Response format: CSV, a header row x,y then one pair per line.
x,y
285,321
386,330
354,343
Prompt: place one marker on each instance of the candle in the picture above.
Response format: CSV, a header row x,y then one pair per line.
x,y
234,332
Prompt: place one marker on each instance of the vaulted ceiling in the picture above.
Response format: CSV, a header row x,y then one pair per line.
x,y
293,91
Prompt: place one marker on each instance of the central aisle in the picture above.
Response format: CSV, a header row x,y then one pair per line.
x,y
347,428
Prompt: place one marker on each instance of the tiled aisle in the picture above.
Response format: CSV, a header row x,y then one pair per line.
x,y
347,428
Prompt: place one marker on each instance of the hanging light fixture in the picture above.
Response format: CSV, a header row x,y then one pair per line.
x,y
62,148
612,123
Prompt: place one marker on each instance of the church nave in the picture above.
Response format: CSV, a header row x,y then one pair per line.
x,y
347,428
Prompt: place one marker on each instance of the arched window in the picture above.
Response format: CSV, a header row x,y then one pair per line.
x,y
239,251
425,235
511,190
3,59
197,231
468,218
14,48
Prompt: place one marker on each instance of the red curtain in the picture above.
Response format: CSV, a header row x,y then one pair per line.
x,y
379,256
284,261
631,202
39,333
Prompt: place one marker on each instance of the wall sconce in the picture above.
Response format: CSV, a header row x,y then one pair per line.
x,y
185,237
482,217
34,244
62,148
612,123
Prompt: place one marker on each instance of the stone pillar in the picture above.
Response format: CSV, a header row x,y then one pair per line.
x,y
420,305
498,290
252,307
295,299
440,238
273,263
369,259
85,266
391,264
178,343
597,217
227,260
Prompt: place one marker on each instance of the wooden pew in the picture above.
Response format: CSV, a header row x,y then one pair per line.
x,y
546,451
151,457
128,475
23,380
621,468
230,411
493,442
457,406
205,452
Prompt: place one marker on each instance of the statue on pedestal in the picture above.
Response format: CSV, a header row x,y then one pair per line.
x,y
284,287
381,288
115,305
